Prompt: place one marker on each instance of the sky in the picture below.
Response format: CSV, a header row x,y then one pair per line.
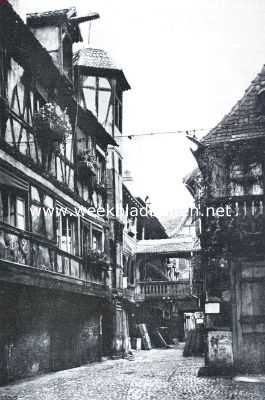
x,y
188,62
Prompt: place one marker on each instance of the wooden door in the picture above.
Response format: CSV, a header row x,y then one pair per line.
x,y
248,280
64,351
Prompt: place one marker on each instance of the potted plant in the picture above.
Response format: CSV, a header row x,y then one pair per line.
x,y
87,162
100,188
51,123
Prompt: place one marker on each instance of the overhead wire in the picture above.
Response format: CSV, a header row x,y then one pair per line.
x,y
186,131
136,135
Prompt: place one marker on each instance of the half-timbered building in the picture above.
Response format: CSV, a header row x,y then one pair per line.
x,y
230,193
55,257
100,84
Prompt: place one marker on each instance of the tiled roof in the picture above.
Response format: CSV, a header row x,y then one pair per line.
x,y
66,12
56,17
128,198
100,60
95,58
171,247
241,122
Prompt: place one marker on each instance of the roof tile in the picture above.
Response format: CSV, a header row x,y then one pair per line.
x,y
241,123
95,58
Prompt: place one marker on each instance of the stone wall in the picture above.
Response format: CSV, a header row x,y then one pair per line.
x,y
44,331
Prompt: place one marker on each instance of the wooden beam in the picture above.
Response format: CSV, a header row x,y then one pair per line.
x,y
85,18
24,275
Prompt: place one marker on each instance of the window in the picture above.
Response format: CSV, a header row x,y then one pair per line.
x,y
120,167
246,178
67,234
67,56
100,169
97,97
97,240
20,213
261,103
3,72
12,209
118,110
131,271
42,209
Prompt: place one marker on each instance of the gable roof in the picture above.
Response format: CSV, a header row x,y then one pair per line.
x,y
64,14
242,122
57,17
99,61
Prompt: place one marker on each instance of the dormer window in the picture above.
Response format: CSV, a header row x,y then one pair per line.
x,y
96,96
57,30
101,85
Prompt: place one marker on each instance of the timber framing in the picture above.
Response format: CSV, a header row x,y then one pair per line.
x,y
20,42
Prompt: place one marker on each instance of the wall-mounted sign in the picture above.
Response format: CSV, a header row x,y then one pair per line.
x,y
212,308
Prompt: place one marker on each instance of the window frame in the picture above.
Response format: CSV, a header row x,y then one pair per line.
x,y
245,179
13,194
99,231
118,109
41,204
72,242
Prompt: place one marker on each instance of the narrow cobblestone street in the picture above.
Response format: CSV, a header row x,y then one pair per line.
x,y
155,374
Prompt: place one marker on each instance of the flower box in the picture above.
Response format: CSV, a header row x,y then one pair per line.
x,y
51,123
48,129
97,257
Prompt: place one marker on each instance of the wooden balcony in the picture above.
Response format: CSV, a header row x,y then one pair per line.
x,y
28,259
241,227
164,290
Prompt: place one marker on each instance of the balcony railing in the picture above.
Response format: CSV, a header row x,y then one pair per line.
x,y
28,250
164,289
241,206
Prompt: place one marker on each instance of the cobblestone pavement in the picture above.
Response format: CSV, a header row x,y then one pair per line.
x,y
153,375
